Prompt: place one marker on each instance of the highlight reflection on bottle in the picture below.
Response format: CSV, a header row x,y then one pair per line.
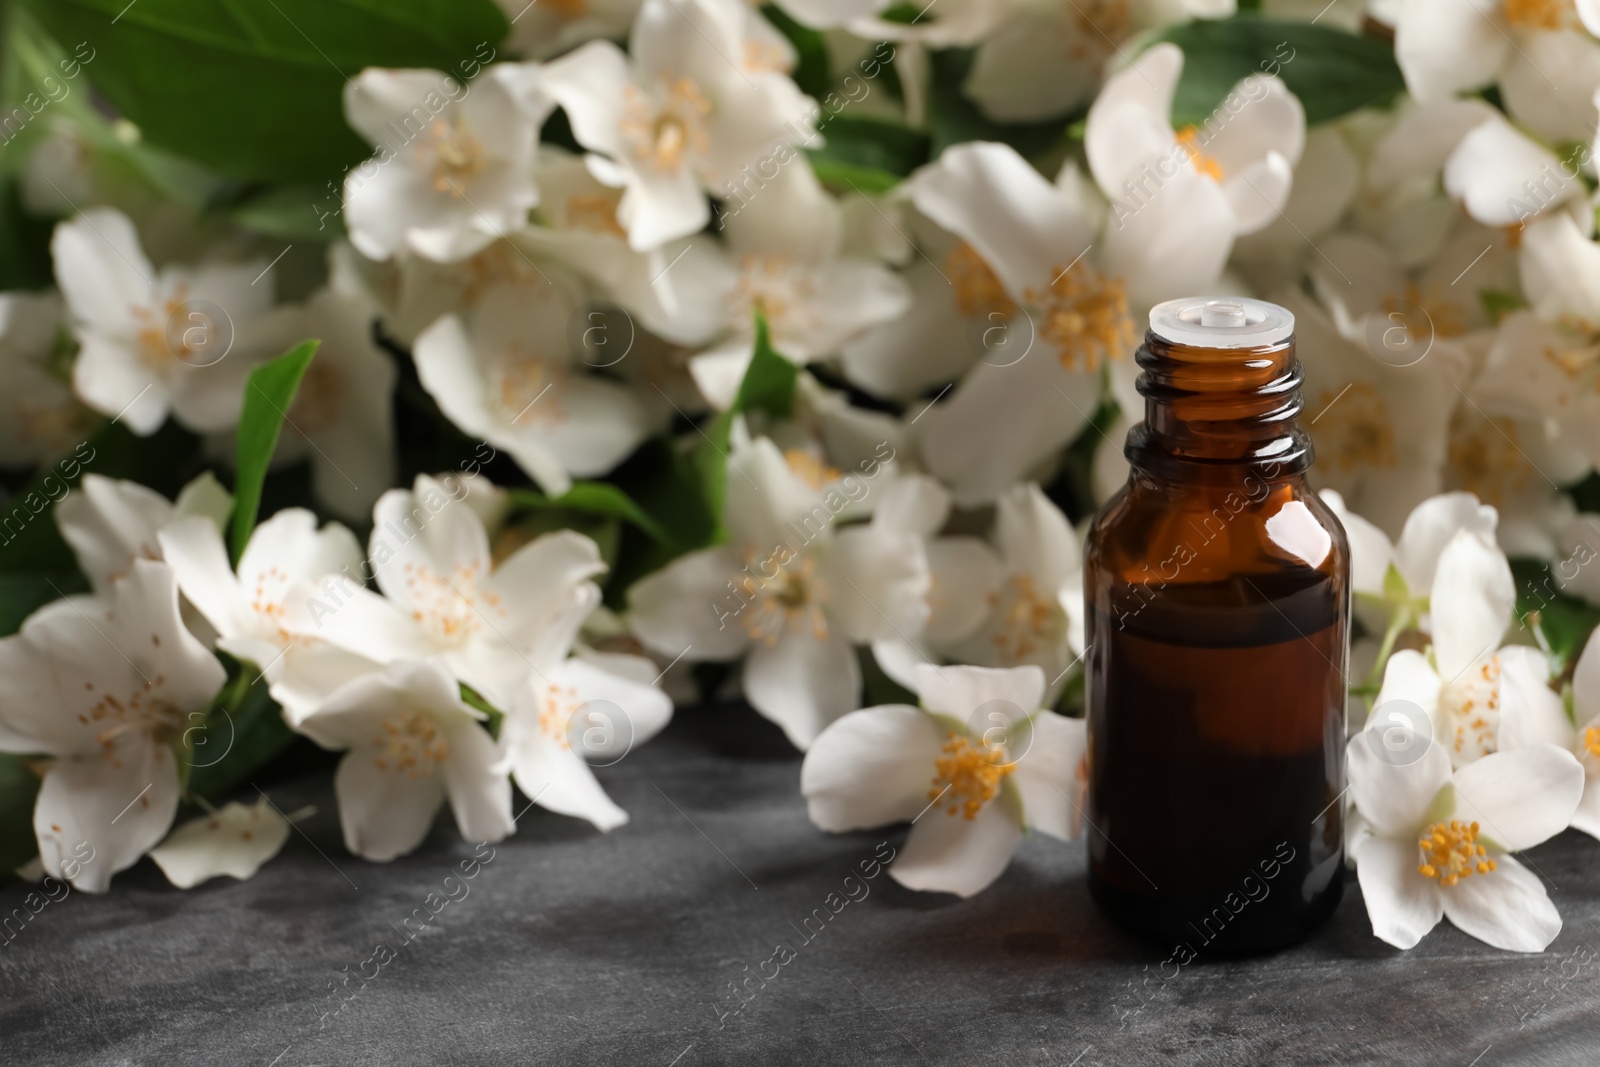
x,y
1218,600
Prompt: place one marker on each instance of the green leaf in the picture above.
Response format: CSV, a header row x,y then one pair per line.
x,y
593,498
1565,621
811,68
870,144
24,592
292,212
254,88
18,788
952,118
24,242
1498,303
768,385
841,176
29,537
267,399
1331,71
243,733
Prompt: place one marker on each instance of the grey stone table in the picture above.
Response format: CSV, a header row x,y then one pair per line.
x,y
572,947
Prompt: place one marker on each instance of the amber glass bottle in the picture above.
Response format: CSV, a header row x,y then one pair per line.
x,y
1218,598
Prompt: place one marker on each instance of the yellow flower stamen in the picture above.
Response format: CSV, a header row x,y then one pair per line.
x,y
1450,852
1189,137
811,469
969,775
666,136
1084,314
1353,430
1538,14
457,155
411,745
1591,741
979,292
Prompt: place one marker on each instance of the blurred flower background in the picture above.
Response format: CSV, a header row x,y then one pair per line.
x,y
580,358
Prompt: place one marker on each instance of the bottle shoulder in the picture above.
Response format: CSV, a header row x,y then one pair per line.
x,y
1196,533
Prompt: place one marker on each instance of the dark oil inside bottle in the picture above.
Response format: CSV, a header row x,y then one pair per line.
x,y
1216,726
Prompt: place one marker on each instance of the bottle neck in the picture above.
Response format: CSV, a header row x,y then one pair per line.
x,y
1219,414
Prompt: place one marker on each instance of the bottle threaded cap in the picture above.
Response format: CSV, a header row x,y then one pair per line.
x,y
1221,322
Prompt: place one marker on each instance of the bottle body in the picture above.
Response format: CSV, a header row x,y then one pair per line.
x,y
1217,623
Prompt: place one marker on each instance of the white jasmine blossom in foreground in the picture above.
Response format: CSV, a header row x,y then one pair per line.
x,y
593,706
443,597
1435,844
248,611
789,590
105,690
110,523
1400,574
454,164
176,341
974,766
512,376
412,743
234,840
1542,722
1468,682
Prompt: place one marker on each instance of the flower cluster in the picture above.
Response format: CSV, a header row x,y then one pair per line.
x,y
784,352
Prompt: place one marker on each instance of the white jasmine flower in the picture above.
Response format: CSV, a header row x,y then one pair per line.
x,y
248,611
785,246
106,690
542,30
1405,569
1445,47
411,743
156,342
1544,720
964,577
1511,463
110,523
1044,59
1018,603
234,840
1326,181
342,417
1380,429
454,164
1545,361
42,419
789,590
1466,687
1503,177
974,766
444,598
1045,317
678,116
593,706
1437,843
512,377
1179,198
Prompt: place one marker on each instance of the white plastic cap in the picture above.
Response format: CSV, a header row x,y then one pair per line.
x,y
1221,322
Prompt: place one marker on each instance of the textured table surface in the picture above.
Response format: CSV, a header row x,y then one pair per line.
x,y
574,947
